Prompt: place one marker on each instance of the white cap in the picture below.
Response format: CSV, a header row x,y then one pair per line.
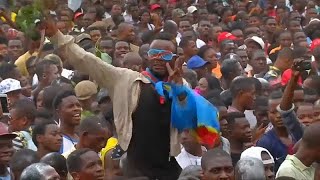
x,y
255,152
255,39
192,9
9,85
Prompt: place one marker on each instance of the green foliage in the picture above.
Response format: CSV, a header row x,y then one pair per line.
x,y
27,16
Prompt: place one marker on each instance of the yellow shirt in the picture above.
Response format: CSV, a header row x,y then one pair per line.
x,y
111,143
13,17
21,63
293,167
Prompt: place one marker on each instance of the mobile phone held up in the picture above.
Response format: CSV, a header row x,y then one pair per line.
x,y
4,104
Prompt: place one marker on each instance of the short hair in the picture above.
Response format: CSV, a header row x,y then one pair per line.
x,y
190,171
228,66
226,97
147,36
39,129
60,96
74,162
285,52
184,42
261,101
49,93
308,138
225,42
299,51
309,91
211,154
91,124
231,117
240,84
22,159
42,67
6,70
25,107
217,102
57,161
203,50
249,168
190,76
34,171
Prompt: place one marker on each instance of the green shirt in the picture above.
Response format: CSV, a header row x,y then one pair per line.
x,y
293,167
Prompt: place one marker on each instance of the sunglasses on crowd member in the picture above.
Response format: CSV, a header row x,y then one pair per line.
x,y
162,54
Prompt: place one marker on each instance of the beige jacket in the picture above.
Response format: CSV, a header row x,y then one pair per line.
x,y
122,85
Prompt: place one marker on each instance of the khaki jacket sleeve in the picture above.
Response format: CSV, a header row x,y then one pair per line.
x,y
104,74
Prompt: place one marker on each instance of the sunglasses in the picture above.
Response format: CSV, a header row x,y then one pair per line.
x,y
162,54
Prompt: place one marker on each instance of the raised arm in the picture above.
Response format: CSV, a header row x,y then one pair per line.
x,y
104,74
286,107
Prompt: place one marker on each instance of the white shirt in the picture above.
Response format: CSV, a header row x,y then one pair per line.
x,y
186,159
67,144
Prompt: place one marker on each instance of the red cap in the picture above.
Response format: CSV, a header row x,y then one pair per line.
x,y
226,36
154,7
78,14
314,44
286,76
4,133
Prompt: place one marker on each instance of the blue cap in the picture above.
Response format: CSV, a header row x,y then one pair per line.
x,y
196,62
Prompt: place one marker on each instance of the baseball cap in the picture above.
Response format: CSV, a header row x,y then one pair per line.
x,y
196,62
178,12
9,85
255,39
155,6
4,132
85,89
82,37
226,36
192,9
255,152
315,43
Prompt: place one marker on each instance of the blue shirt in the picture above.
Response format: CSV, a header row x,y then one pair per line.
x,y
274,145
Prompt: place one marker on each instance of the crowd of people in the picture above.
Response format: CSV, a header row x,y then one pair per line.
x,y
96,97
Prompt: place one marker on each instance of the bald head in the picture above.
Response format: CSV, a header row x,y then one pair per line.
x,y
170,27
214,156
123,26
133,61
308,139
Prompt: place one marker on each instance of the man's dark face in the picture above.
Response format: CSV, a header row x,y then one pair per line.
x,y
70,111
204,28
121,49
244,58
158,65
88,19
295,26
116,10
248,98
259,62
95,35
106,46
191,49
240,37
219,168
91,167
254,21
241,130
128,34
134,10
252,47
97,140
271,25
184,26
6,151
15,48
299,36
51,74
216,31
273,114
229,47
52,138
